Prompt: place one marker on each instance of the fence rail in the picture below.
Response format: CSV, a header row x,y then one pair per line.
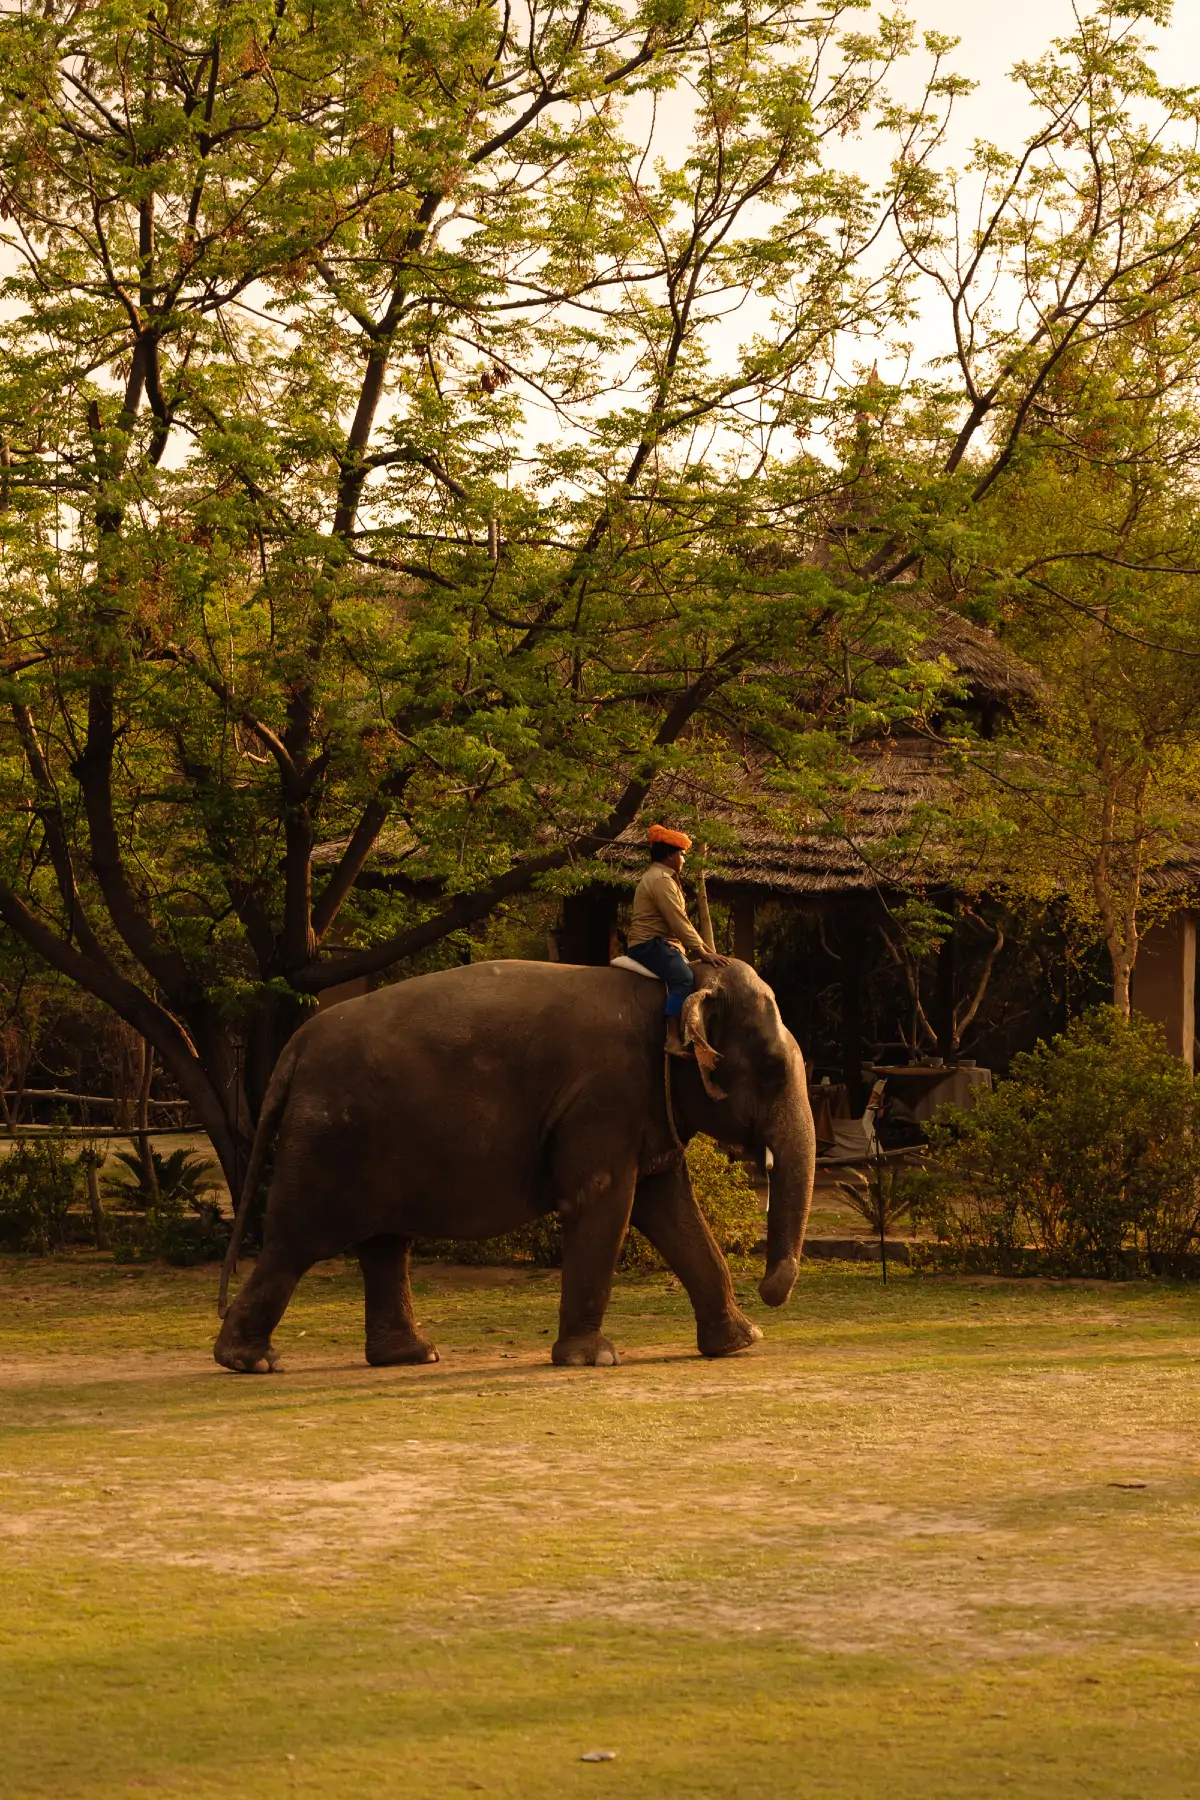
x,y
19,1094
99,1131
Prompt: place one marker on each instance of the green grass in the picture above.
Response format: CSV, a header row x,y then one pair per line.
x,y
883,1554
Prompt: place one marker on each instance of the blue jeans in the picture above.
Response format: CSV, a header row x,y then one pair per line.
x,y
672,966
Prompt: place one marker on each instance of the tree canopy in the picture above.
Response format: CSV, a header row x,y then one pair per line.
x,y
424,428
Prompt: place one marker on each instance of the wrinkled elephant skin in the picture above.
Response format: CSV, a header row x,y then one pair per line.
x,y
467,1103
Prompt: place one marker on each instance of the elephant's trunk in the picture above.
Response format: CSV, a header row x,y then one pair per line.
x,y
794,1147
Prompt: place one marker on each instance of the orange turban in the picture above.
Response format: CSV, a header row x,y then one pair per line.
x,y
678,840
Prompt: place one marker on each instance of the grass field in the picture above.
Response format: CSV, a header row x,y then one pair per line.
x,y
896,1550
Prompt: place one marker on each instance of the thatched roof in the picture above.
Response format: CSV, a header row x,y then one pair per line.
x,y
888,827
895,827
879,832
992,671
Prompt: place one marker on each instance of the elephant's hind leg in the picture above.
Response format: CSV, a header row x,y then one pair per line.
x,y
392,1335
244,1343
665,1210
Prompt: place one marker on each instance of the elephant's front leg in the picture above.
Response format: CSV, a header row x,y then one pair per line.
x,y
392,1335
665,1210
594,1224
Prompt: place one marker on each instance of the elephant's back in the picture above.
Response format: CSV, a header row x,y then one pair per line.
x,y
505,993
483,1022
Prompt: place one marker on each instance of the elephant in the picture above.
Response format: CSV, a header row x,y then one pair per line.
x,y
466,1103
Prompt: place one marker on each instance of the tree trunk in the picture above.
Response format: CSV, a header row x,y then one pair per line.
x,y
588,919
145,1150
943,1004
848,936
276,1018
209,1077
91,1162
743,928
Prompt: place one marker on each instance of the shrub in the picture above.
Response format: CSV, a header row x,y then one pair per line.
x,y
1089,1155
882,1197
722,1188
38,1184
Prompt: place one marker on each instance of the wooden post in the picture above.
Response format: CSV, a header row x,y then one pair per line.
x,y
743,927
849,931
703,915
149,1172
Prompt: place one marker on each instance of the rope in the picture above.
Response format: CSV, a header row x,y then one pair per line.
x,y
678,1141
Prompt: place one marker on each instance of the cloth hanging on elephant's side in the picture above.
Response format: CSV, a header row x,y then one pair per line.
x,y
636,968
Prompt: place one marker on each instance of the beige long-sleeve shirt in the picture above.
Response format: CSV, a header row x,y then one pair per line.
x,y
660,911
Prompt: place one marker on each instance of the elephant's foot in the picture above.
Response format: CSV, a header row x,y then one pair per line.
x,y
387,1350
590,1349
246,1359
725,1336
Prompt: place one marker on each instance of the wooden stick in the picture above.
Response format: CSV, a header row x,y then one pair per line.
x,y
704,918
149,1172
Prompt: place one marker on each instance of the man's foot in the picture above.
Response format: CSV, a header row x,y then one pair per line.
x,y
675,1043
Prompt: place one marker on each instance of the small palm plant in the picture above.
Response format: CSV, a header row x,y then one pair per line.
x,y
880,1199
179,1179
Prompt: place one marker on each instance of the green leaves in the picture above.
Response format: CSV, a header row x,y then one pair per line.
x,y
400,405
1087,1154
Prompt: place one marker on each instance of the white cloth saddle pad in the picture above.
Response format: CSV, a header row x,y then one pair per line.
x,y
627,962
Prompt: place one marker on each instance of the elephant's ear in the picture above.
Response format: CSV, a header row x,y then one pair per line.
x,y
695,1033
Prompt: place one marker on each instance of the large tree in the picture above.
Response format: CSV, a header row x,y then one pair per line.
x,y
401,411
1042,478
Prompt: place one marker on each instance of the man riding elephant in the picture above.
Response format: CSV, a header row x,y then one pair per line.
x,y
661,936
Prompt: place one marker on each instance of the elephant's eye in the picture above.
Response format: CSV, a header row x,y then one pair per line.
x,y
772,1070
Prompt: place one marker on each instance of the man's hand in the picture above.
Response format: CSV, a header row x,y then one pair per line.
x,y
713,957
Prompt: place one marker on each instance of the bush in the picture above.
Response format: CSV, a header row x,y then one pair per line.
x,y
1088,1156
173,1234
39,1183
722,1188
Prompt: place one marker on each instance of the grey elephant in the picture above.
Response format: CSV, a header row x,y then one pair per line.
x,y
466,1103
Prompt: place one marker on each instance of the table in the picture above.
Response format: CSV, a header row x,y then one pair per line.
x,y
932,1085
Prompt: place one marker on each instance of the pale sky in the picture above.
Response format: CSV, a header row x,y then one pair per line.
x,y
997,33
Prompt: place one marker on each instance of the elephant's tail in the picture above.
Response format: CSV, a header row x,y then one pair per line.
x,y
274,1101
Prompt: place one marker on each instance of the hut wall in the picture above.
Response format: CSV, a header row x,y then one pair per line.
x,y
1164,981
